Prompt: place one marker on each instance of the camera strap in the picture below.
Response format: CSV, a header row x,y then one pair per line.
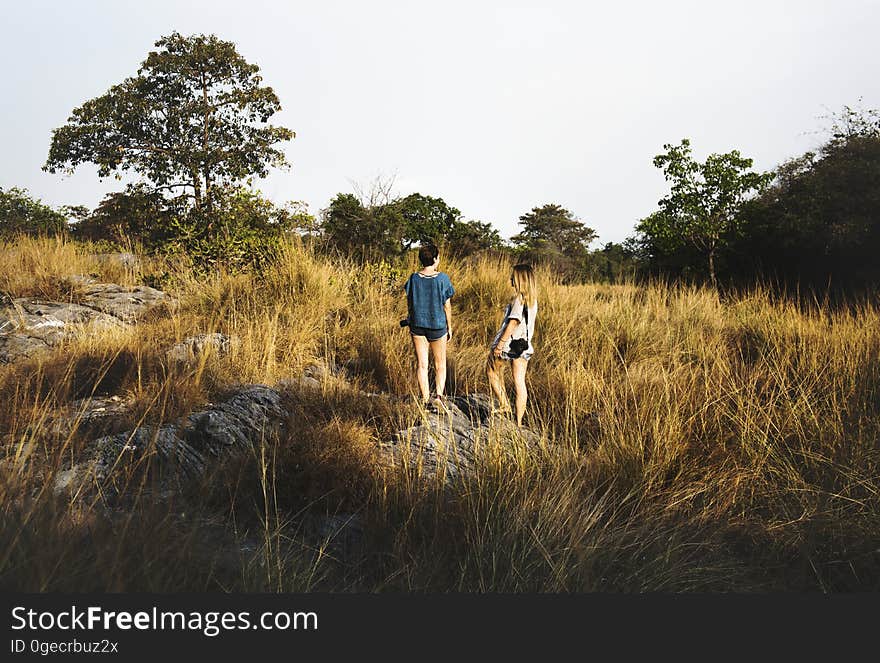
x,y
409,301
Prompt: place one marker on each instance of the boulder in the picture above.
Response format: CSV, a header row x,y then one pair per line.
x,y
449,444
30,325
191,348
182,449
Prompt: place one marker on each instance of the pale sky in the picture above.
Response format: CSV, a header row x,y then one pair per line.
x,y
496,107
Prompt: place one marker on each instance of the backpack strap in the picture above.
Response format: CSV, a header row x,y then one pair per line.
x,y
526,316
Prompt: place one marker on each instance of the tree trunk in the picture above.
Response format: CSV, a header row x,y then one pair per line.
x,y
197,189
205,169
712,269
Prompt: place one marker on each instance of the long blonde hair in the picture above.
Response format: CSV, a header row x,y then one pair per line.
x,y
525,284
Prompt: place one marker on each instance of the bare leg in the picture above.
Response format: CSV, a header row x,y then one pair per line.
x,y
438,348
494,367
420,344
519,381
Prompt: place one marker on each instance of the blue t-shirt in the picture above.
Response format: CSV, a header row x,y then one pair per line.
x,y
426,296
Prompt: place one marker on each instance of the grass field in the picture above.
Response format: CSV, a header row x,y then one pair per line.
x,y
690,443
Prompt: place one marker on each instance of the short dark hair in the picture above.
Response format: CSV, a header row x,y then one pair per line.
x,y
428,254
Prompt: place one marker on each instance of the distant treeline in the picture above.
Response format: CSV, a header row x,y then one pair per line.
x,y
815,226
194,124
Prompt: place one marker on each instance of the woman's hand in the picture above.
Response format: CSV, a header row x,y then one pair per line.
x,y
497,349
449,335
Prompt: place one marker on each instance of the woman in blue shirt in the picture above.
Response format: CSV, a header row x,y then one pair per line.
x,y
430,320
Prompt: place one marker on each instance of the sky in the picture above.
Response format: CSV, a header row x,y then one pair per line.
x,y
496,107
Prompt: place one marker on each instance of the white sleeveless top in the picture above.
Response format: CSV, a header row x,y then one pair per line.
x,y
515,311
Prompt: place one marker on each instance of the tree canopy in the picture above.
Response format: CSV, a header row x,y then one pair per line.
x,y
426,219
380,223
21,213
468,237
551,233
194,118
818,224
703,207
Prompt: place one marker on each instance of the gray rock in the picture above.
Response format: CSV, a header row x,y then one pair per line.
x,y
245,418
30,325
191,348
183,449
126,303
450,444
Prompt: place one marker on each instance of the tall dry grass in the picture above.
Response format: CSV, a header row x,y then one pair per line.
x,y
690,443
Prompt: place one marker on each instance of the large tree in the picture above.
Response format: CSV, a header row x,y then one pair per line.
x,y
702,209
426,219
194,118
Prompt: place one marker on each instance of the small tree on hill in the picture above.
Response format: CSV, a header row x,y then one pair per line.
x,y
552,234
137,213
426,219
467,237
704,204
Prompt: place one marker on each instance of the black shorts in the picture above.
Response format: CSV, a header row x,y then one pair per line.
x,y
430,334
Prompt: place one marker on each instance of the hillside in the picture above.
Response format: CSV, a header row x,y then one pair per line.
x,y
673,442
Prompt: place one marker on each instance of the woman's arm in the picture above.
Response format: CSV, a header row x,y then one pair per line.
x,y
447,308
505,336
406,287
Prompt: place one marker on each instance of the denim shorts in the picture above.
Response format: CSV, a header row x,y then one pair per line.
x,y
430,334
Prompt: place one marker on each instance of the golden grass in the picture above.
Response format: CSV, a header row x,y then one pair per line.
x,y
39,267
691,443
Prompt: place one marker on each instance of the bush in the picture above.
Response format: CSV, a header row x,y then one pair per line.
x,y
22,214
244,230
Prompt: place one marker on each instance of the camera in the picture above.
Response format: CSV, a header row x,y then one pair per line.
x,y
517,347
404,322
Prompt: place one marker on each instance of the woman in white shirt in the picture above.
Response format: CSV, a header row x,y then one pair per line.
x,y
513,341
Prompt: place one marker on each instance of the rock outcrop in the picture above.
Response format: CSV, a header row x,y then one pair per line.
x,y
30,325
183,449
189,349
125,303
449,444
